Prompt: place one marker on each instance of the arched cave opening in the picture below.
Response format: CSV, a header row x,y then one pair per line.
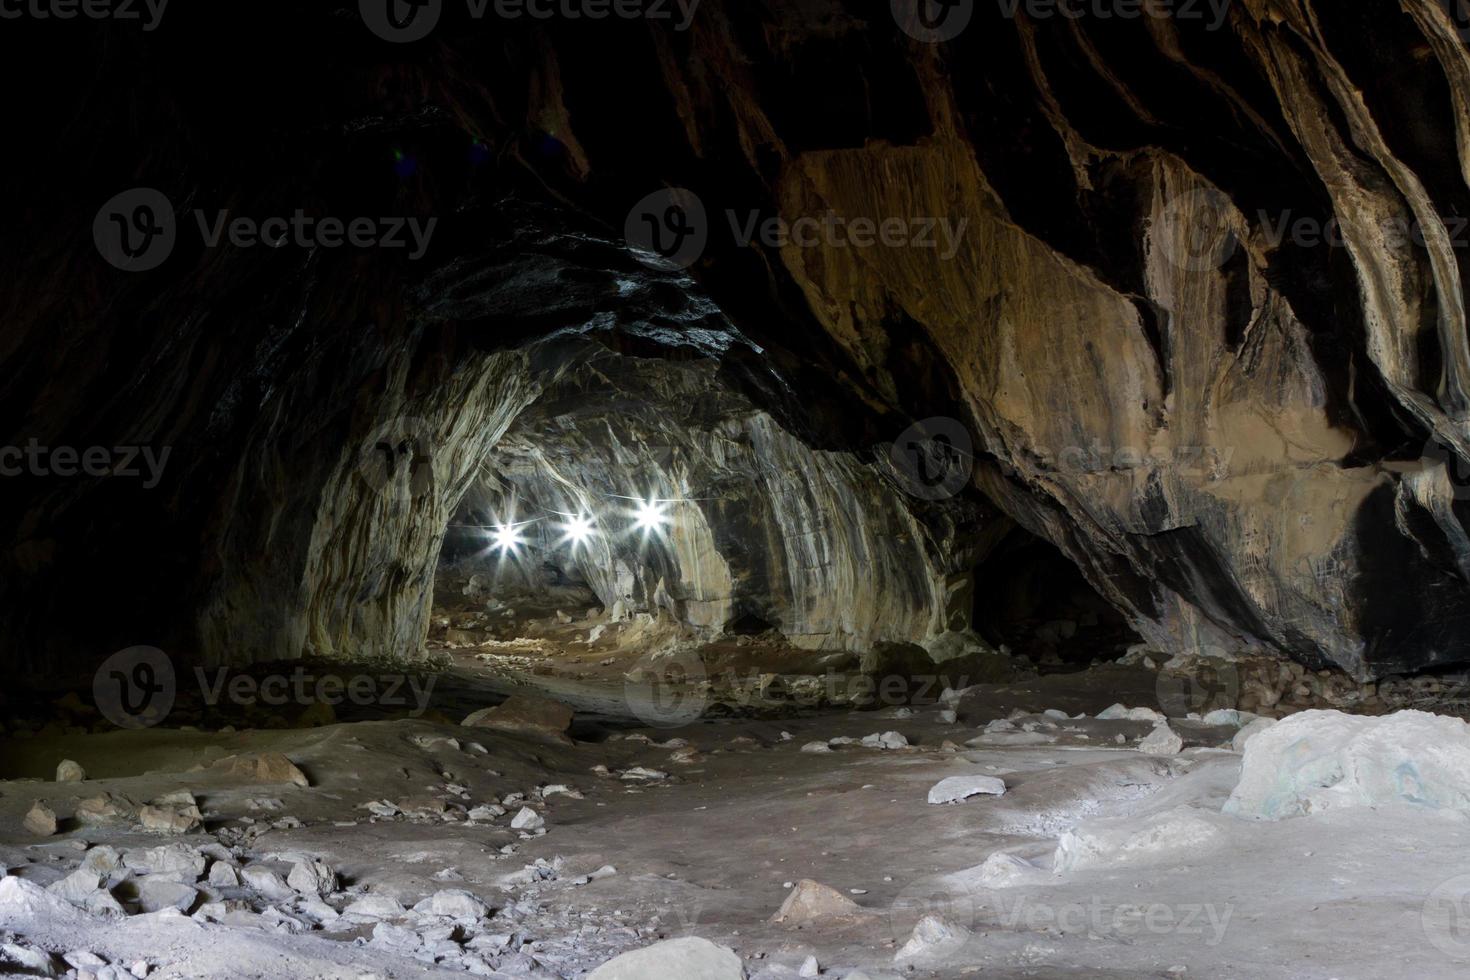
x,y
1032,599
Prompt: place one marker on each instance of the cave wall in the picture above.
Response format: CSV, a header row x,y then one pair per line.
x,y
821,545
1242,439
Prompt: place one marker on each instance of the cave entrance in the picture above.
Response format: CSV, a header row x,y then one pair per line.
x,y
1032,598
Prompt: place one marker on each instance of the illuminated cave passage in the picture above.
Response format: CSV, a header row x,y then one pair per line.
x,y
735,490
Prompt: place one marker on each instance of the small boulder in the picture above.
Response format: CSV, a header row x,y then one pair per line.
x,y
453,903
70,772
222,874
40,819
953,789
157,894
262,767
1163,740
934,940
268,883
687,958
885,740
527,819
812,901
312,877
525,714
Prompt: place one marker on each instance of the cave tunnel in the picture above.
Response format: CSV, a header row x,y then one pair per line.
x,y
735,489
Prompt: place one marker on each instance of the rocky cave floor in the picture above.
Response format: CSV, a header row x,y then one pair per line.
x,y
352,842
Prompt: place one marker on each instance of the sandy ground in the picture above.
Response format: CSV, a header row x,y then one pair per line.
x,y
712,849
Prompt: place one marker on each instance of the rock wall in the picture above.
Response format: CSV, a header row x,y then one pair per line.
x,y
761,528
1197,296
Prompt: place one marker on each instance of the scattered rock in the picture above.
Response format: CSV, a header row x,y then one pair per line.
x,y
173,814
156,894
934,939
525,714
809,968
454,903
312,877
1243,737
885,740
69,772
223,875
268,883
687,958
40,819
102,859
1163,740
165,858
953,789
375,907
262,767
527,819
816,747
812,901
78,886
642,773
1118,712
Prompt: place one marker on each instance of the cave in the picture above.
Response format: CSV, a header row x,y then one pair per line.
x,y
713,490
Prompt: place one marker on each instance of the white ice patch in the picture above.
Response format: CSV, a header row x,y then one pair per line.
x,y
1322,760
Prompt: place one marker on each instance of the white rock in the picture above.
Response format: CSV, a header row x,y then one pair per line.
x,y
1000,725
1056,713
1228,716
454,903
809,968
885,740
313,878
948,716
952,789
375,907
934,939
1002,870
70,772
223,875
1118,712
24,903
267,882
164,858
33,961
1324,760
1163,740
156,894
527,819
641,772
688,958
1243,737
816,747
102,859
78,886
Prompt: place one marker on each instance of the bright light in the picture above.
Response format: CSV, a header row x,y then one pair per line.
x,y
507,538
650,516
577,530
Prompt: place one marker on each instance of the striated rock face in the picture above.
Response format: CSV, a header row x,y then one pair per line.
x,y
1193,287
761,530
